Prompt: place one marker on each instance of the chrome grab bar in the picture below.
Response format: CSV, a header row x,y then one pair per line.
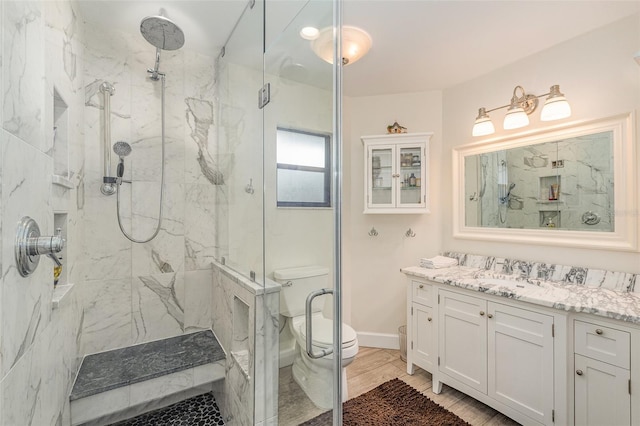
x,y
108,186
307,316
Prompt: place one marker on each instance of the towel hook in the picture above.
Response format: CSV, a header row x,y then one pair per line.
x,y
373,232
409,233
249,188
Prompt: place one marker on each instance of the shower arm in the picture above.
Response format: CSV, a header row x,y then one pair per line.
x,y
108,182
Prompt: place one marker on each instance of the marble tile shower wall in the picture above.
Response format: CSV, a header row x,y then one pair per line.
x,y
249,393
132,292
41,53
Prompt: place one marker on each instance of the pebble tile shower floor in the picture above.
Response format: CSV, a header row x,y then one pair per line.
x,y
200,410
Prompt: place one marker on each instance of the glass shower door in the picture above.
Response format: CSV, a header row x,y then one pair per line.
x,y
300,168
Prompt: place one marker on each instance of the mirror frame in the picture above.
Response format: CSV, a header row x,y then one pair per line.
x,y
625,234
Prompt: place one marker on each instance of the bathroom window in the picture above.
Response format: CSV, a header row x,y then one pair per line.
x,y
304,169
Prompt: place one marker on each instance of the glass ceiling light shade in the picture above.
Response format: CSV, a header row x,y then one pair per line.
x,y
522,104
483,125
556,106
516,117
355,44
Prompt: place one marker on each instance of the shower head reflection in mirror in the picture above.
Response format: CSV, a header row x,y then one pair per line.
x,y
592,166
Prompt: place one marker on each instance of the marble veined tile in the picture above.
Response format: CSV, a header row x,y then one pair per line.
x,y
158,306
200,122
20,392
26,301
106,320
201,225
23,67
165,253
198,299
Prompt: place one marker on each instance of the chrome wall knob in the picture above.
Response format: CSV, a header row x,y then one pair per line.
x,y
30,245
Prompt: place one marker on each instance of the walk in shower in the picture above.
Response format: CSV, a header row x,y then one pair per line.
x,y
196,185
116,98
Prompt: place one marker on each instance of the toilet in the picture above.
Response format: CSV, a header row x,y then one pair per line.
x,y
314,376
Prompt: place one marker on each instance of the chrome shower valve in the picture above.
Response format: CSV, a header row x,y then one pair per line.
x,y
30,245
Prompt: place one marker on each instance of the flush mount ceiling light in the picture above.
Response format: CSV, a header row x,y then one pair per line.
x,y
522,104
355,44
309,33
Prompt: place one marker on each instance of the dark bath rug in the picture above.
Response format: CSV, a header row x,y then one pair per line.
x,y
392,403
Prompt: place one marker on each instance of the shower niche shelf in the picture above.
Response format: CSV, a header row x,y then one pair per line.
x,y
60,138
63,288
549,194
240,342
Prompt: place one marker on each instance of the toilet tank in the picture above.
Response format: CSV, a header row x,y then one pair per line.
x,y
297,283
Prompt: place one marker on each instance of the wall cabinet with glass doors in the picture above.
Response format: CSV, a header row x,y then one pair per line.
x,y
395,168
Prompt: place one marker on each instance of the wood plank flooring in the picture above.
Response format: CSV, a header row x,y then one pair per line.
x,y
373,367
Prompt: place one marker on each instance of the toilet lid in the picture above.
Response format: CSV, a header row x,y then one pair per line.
x,y
323,332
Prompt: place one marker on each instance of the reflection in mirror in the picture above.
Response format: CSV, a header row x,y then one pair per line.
x,y
573,186
561,184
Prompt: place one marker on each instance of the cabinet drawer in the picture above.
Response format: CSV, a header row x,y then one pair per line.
x,y
422,293
602,343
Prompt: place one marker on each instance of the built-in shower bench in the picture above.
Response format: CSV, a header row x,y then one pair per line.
x,y
123,383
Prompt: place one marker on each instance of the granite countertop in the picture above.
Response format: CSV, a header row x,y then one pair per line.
x,y
624,306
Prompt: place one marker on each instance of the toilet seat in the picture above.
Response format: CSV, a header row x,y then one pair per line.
x,y
323,334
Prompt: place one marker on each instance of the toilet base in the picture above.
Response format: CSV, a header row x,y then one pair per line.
x,y
315,378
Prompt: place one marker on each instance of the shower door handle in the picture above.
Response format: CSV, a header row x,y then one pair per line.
x,y
309,331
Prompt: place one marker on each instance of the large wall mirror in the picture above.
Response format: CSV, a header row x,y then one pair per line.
x,y
573,186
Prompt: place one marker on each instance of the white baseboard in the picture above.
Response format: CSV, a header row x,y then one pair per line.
x,y
379,340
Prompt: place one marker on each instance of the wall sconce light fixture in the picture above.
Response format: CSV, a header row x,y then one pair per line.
x,y
522,104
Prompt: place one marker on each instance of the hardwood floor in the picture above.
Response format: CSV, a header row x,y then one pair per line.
x,y
373,367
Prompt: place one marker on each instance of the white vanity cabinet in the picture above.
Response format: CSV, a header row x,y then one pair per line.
x,y
501,353
421,325
602,376
462,343
499,350
395,173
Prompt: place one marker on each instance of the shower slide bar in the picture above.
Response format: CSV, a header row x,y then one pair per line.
x,y
108,182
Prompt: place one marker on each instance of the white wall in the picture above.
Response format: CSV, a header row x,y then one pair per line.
x,y
598,75
372,280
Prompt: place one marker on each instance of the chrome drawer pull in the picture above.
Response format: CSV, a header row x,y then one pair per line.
x,y
599,331
481,313
579,372
490,315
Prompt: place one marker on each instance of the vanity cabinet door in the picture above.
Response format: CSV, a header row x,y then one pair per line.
x,y
463,339
520,354
601,393
423,345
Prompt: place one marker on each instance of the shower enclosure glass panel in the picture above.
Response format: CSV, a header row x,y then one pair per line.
x,y
302,102
239,220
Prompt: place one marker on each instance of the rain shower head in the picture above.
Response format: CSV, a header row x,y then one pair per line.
x,y
162,33
122,149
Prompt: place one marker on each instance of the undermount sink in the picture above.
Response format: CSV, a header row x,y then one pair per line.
x,y
505,282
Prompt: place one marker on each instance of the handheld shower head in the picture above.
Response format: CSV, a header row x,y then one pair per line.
x,y
122,149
